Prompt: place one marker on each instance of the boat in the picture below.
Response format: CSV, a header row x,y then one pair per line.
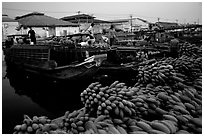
x,y
56,62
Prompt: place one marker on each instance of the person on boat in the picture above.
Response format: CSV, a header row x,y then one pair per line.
x,y
174,47
31,34
105,39
112,35
90,39
90,29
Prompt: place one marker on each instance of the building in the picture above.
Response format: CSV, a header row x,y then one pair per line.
x,y
9,26
46,26
129,25
84,21
167,25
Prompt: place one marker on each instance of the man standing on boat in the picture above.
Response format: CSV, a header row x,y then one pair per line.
x,y
112,36
90,39
90,29
174,47
31,34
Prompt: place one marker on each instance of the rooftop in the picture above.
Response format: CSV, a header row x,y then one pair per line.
x,y
37,19
5,18
83,18
79,16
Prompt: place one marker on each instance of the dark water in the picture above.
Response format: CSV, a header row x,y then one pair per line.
x,y
23,94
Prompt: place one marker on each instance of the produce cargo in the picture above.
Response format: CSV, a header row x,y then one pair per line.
x,y
166,99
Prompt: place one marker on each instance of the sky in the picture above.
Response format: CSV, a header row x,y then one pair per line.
x,y
181,12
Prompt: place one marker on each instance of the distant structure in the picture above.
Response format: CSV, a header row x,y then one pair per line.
x,y
9,26
167,25
46,26
84,21
129,25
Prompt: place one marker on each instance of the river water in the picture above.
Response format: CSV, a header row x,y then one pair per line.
x,y
22,94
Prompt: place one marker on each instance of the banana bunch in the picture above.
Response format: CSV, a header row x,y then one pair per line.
x,y
189,69
141,56
190,50
104,125
74,122
110,100
65,41
37,125
154,127
159,73
188,66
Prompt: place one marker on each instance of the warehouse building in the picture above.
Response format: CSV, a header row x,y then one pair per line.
x,y
46,26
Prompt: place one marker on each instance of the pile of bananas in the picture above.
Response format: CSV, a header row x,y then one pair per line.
x,y
66,42
111,100
37,125
141,56
74,123
188,68
158,73
118,109
158,110
190,50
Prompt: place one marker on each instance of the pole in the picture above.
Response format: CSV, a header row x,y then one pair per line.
x,y
131,23
79,20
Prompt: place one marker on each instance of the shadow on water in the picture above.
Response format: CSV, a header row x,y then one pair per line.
x,y
53,96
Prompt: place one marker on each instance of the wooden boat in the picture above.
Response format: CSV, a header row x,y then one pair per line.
x,y
55,62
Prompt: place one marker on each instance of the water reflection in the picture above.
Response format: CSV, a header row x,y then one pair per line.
x,y
55,97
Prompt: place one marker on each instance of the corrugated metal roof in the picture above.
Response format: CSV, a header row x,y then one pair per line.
x,y
167,24
40,20
96,21
120,20
81,16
